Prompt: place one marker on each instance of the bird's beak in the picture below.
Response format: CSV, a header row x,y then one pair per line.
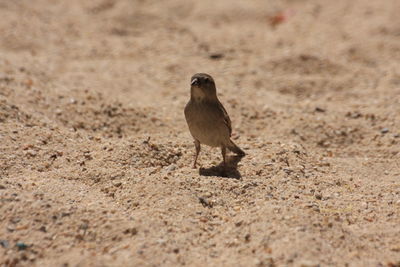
x,y
195,81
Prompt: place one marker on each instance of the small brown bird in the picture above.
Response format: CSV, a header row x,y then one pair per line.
x,y
207,119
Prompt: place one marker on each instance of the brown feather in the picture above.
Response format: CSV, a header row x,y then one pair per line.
x,y
227,120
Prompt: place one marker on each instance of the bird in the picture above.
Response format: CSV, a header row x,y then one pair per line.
x,y
207,119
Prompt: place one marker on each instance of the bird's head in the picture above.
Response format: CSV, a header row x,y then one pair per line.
x,y
202,87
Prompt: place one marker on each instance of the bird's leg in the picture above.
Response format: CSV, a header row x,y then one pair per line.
x,y
197,145
223,151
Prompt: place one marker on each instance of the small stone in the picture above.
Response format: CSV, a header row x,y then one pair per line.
x,y
31,153
117,183
132,231
258,262
203,219
171,168
238,223
205,202
4,243
384,130
216,56
208,194
316,208
395,248
267,261
247,237
301,229
21,246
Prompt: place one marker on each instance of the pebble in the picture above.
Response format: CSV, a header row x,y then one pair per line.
x,y
216,55
315,208
395,248
21,246
4,243
205,202
132,231
247,237
301,228
318,196
207,194
238,223
384,130
31,153
171,168
117,183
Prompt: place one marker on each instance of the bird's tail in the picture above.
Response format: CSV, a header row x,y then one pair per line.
x,y
235,149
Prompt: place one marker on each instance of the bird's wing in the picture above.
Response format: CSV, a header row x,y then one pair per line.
x,y
227,120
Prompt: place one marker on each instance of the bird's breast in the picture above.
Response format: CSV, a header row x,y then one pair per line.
x,y
206,123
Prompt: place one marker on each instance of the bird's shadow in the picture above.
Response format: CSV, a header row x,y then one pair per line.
x,y
229,170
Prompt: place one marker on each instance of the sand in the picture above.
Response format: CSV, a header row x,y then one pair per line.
x,y
95,154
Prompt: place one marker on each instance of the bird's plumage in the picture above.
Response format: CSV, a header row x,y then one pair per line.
x,y
208,121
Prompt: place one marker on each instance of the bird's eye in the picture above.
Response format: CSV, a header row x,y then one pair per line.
x,y
206,80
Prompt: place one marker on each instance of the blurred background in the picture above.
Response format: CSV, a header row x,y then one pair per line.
x,y
142,53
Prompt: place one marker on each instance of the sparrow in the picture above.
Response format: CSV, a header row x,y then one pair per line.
x,y
208,121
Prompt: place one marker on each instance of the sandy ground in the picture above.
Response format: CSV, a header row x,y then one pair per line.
x,y
95,154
